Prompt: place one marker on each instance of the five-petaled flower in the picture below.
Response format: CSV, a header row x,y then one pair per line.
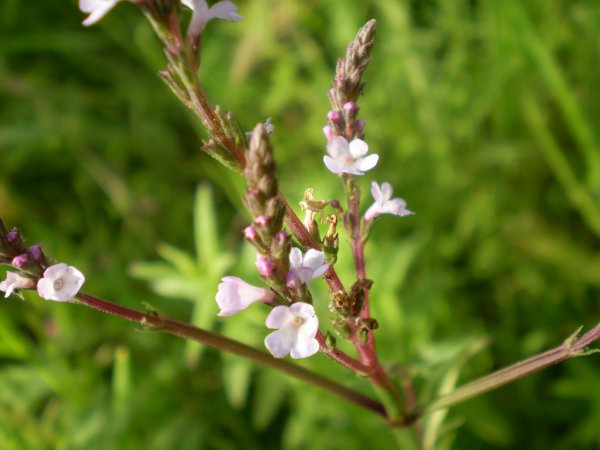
x,y
384,203
202,14
13,282
60,283
235,295
308,266
296,330
350,157
96,9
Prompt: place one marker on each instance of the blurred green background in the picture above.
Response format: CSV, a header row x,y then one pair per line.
x,y
485,116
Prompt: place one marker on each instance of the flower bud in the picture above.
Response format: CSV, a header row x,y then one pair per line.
x,y
334,117
250,233
13,236
360,127
350,108
36,253
20,261
280,247
262,221
265,267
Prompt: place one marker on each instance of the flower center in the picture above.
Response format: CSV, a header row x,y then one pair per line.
x,y
297,321
348,160
58,284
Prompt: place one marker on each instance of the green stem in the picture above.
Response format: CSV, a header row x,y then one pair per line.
x,y
165,324
570,348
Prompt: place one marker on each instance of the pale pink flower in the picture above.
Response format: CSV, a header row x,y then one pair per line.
x,y
350,157
384,203
96,9
297,327
60,283
13,282
235,295
202,14
308,266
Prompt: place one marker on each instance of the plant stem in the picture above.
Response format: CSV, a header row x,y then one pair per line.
x,y
168,325
570,348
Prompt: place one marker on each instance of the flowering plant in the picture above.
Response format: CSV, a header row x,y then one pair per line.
x,y
291,254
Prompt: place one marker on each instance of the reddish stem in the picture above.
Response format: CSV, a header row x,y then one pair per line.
x,y
168,325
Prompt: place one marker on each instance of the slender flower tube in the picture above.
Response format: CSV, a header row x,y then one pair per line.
x,y
384,203
350,157
96,9
60,283
308,266
13,282
296,330
235,295
202,14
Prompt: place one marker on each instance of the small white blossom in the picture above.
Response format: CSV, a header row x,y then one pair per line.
x,y
202,14
13,282
235,295
60,283
350,157
96,9
308,266
384,203
297,327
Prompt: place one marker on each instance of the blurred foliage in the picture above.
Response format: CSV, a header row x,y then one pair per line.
x,y
484,114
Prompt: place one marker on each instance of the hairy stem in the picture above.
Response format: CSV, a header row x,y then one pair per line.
x,y
168,325
570,348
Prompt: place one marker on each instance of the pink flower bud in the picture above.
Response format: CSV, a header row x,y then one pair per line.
x,y
250,233
262,221
20,261
281,236
360,127
334,116
350,107
265,267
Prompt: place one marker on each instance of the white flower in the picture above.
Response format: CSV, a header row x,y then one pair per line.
x,y
235,295
349,158
296,329
97,9
15,281
202,14
308,266
384,203
60,283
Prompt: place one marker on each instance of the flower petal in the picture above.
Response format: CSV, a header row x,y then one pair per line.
x,y
376,192
366,163
56,271
223,10
338,147
279,317
280,342
295,258
301,309
332,164
386,191
358,148
313,258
